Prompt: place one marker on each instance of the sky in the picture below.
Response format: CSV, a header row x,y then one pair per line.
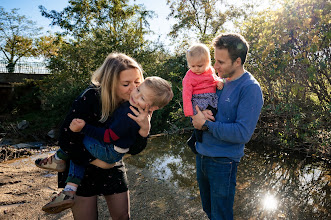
x,y
30,9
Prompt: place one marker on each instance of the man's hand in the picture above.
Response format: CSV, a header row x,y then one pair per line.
x,y
199,119
77,125
208,115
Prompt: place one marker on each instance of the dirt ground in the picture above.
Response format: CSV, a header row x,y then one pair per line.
x,y
24,189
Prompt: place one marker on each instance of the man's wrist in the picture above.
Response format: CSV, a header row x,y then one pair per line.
x,y
205,126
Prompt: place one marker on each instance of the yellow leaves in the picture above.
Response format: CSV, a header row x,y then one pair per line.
x,y
315,39
307,22
271,46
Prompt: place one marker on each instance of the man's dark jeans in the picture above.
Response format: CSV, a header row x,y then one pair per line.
x,y
217,182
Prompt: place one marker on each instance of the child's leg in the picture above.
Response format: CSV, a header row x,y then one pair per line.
x,y
75,176
212,109
61,155
191,142
56,162
102,151
65,199
198,135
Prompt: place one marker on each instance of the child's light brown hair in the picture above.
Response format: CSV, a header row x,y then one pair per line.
x,y
161,89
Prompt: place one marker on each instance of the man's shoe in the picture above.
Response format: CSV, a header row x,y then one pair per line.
x,y
64,200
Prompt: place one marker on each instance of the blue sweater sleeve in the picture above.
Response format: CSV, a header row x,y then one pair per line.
x,y
248,111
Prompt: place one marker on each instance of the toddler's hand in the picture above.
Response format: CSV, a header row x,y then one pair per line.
x,y
77,125
220,85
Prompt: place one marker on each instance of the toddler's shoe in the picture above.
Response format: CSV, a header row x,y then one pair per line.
x,y
191,143
64,200
50,163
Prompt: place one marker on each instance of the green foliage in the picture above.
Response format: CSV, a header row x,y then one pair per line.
x,y
173,69
58,92
290,56
96,29
26,97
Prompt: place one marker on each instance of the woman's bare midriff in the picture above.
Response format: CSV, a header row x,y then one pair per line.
x,y
102,164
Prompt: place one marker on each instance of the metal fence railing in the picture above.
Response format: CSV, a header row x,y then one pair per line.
x,y
24,67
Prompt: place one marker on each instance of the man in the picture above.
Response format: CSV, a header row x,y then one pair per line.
x,y
226,133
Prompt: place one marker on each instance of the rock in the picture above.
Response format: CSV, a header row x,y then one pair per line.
x,y
51,133
23,125
22,145
35,145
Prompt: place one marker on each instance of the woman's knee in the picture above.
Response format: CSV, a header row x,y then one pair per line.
x,y
85,208
119,205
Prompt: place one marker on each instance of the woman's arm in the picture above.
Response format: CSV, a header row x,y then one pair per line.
x,y
87,107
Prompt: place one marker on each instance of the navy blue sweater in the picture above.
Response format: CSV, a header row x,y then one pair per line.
x,y
122,130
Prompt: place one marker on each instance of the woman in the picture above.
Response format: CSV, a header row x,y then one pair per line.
x,y
111,85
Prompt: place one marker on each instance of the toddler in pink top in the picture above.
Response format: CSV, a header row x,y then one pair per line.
x,y
199,86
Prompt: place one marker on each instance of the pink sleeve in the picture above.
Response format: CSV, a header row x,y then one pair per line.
x,y
187,96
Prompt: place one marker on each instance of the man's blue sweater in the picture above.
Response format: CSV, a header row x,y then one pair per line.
x,y
239,107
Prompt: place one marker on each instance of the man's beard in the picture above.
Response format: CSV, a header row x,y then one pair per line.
x,y
228,75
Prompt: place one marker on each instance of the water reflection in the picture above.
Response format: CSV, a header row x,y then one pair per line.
x,y
270,184
270,202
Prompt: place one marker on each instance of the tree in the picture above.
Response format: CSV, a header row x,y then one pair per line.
x,y
82,17
290,55
17,35
48,46
96,28
202,18
295,40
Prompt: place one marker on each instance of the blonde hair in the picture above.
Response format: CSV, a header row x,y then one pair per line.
x,y
106,77
198,50
161,89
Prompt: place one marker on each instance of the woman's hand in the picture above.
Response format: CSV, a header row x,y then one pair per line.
x,y
143,119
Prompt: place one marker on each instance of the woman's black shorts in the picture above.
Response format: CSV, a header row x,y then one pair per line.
x,y
98,181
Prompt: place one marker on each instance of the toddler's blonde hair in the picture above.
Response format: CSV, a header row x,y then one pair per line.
x,y
198,51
